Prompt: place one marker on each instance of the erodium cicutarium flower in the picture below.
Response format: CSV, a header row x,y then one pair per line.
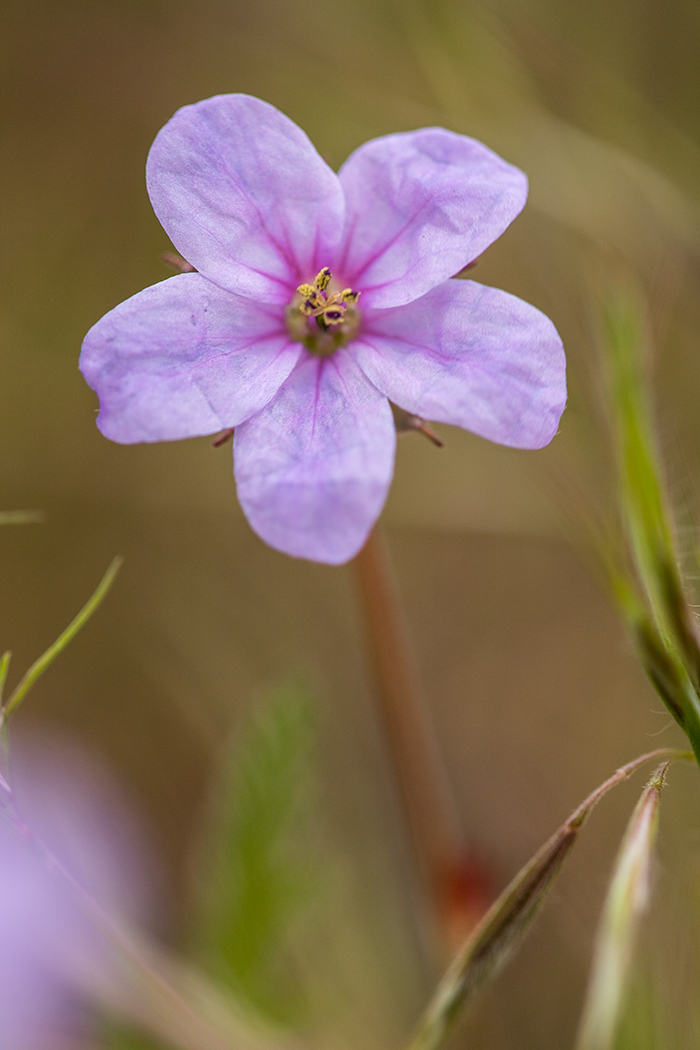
x,y
319,298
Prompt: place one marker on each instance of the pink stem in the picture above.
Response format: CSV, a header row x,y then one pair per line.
x,y
455,888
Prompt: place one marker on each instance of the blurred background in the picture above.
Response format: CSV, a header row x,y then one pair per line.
x,y
533,690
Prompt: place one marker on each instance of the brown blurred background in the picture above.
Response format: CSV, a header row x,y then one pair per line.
x,y
533,689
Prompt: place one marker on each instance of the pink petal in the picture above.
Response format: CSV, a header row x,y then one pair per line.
x,y
420,206
313,468
184,358
469,355
244,196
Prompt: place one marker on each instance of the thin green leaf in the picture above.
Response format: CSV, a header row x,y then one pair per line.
x,y
626,902
500,931
47,658
4,668
662,663
255,878
649,591
644,505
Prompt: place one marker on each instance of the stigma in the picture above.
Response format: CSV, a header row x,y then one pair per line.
x,y
322,319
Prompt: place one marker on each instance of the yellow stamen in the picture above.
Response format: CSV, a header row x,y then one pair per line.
x,y
323,279
327,309
314,301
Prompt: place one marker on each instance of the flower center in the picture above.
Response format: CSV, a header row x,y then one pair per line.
x,y
323,319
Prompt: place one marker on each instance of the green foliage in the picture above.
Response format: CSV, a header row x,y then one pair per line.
x,y
255,878
646,579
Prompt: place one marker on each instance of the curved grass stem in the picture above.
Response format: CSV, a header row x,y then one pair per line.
x,y
47,658
503,926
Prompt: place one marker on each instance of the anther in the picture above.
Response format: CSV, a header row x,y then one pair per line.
x,y
323,279
313,299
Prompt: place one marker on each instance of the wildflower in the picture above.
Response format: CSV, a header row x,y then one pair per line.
x,y
320,298
55,965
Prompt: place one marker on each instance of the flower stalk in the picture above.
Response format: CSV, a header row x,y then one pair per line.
x,y
454,889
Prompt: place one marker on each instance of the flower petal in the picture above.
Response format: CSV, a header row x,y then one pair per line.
x,y
420,206
184,358
244,196
314,467
472,356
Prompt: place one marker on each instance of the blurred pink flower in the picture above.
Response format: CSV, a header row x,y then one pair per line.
x,y
54,961
40,936
319,298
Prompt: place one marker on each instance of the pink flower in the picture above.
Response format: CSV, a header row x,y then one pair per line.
x,y
318,299
55,962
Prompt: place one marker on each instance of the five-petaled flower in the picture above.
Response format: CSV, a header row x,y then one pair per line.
x,y
318,299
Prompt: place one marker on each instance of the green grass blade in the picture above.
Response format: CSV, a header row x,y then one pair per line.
x,y
4,668
643,503
649,589
47,658
255,877
626,902
662,663
508,919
